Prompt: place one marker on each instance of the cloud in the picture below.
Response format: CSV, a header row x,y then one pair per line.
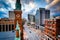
x,y
57,9
5,15
56,14
11,3
3,10
53,3
32,5
7,4
54,6
48,1
3,4
26,1
28,7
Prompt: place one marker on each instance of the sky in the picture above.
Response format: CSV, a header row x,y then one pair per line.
x,y
29,7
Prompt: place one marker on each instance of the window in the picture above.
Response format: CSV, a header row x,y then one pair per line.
x,y
12,26
3,27
9,27
0,28
48,39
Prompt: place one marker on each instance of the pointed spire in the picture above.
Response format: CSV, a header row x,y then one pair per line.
x,y
18,5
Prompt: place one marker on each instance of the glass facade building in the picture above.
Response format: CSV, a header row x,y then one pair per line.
x,y
41,15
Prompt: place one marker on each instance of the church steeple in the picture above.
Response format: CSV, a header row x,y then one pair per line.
x,y
18,17
18,5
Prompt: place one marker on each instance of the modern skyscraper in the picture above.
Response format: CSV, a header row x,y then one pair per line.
x,y
41,15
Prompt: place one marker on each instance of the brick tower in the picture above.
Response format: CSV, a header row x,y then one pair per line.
x,y
18,17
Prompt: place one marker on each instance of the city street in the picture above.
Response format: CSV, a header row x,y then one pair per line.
x,y
29,19
31,35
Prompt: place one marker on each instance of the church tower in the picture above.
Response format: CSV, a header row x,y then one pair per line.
x,y
18,17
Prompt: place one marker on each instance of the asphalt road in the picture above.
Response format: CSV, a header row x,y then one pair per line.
x,y
30,33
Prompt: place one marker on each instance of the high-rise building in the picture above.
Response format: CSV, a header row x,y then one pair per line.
x,y
41,15
37,18
31,18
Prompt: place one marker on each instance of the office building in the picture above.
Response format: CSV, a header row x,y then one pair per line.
x,y
52,27
41,15
31,18
11,15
